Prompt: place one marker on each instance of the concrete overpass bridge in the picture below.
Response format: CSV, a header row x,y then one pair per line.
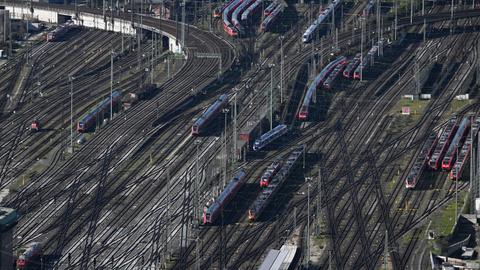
x,y
88,18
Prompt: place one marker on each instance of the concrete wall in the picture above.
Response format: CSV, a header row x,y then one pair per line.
x,y
88,20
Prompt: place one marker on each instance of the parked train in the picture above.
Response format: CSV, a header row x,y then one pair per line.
x,y
237,13
227,15
214,207
269,173
464,154
313,28
141,93
88,121
366,61
421,161
29,255
328,83
270,8
252,10
368,8
271,19
267,194
35,126
352,65
60,31
270,136
450,155
209,114
319,79
443,143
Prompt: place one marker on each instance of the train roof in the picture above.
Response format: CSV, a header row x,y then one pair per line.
x,y
262,200
240,9
208,113
234,182
458,136
273,131
325,71
99,106
8,218
250,9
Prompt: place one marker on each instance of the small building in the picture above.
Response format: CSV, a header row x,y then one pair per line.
x,y
8,220
4,25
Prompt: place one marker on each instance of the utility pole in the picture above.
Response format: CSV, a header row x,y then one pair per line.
x,y
308,223
183,23
71,113
451,17
362,26
225,111
197,185
396,21
234,130
411,11
167,227
271,97
379,27
281,69
111,85
386,249
319,201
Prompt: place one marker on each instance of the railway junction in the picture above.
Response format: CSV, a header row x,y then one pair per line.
x,y
244,134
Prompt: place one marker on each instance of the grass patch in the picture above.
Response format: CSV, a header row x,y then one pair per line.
x,y
445,220
458,105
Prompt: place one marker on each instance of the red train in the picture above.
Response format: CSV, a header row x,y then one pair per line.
x,y
443,143
29,255
141,93
269,173
217,13
421,161
98,112
35,126
451,154
209,114
352,65
214,207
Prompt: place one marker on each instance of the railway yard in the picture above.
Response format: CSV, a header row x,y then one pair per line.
x,y
244,134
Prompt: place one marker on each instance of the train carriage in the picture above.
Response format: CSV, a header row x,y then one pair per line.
x,y
269,137
88,121
215,206
209,114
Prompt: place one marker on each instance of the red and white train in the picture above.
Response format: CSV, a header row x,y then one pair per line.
x,y
443,143
215,206
209,114
452,152
421,161
319,79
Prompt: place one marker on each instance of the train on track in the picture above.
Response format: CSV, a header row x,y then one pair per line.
x,y
421,161
367,60
464,154
270,172
267,194
367,10
351,66
35,126
317,81
443,142
97,113
272,18
309,34
452,151
213,111
29,255
142,93
214,207
60,31
270,136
